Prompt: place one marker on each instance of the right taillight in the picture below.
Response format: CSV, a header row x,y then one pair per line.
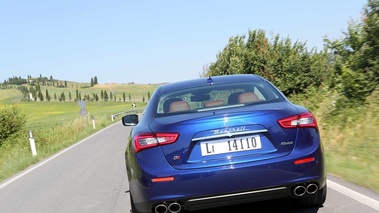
x,y
298,121
148,140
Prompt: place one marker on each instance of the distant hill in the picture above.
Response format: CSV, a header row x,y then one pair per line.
x,y
48,89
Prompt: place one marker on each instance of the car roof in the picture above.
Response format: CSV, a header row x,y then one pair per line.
x,y
210,80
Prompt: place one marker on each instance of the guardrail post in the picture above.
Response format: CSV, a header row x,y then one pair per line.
x,y
32,143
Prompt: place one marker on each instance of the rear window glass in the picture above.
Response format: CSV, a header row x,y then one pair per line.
x,y
215,97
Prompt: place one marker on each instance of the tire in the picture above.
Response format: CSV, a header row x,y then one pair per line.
x,y
315,200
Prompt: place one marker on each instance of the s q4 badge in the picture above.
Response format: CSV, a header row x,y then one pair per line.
x,y
285,143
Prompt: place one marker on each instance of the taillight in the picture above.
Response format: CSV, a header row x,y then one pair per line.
x,y
147,140
303,120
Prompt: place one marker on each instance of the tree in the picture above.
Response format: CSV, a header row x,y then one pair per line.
x,y
40,96
105,96
77,95
63,97
47,95
92,83
123,96
17,80
357,57
95,80
289,65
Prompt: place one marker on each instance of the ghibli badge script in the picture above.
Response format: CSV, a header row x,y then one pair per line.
x,y
229,130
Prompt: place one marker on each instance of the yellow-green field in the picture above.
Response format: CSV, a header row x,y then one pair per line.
x,y
58,124
54,112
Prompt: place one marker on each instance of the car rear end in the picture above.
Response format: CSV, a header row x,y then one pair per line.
x,y
233,143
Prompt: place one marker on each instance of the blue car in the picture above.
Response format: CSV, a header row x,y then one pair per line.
x,y
219,141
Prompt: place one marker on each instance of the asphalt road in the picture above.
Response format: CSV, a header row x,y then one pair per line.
x,y
90,177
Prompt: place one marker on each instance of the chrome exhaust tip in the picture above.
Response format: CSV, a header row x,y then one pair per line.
x,y
299,191
312,188
174,207
161,208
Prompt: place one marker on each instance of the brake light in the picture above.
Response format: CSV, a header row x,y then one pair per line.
x,y
148,140
303,120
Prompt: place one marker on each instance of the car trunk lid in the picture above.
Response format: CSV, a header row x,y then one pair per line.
x,y
224,137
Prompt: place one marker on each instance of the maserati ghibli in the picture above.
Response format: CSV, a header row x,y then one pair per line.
x,y
220,141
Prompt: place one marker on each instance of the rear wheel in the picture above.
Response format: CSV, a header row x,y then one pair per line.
x,y
315,200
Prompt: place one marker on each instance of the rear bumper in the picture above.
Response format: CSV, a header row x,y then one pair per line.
x,y
232,184
235,198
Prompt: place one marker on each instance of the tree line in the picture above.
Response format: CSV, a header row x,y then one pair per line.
x,y
349,65
34,93
44,81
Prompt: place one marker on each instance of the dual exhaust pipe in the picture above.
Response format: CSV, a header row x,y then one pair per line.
x,y
301,190
168,208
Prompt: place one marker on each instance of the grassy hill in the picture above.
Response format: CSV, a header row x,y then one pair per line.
x,y
58,124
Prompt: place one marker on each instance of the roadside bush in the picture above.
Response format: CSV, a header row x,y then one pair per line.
x,y
288,65
11,122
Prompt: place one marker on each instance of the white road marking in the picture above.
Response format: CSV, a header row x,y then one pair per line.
x,y
354,195
27,171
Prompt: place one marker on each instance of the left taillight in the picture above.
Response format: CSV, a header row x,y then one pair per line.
x,y
148,140
299,121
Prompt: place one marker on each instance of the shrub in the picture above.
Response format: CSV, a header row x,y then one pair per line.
x,y
11,122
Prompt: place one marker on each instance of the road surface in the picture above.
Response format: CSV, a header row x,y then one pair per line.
x,y
91,177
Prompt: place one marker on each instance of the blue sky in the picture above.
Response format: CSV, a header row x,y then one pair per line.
x,y
149,41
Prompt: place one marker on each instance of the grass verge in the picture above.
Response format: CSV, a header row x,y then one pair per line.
x,y
350,136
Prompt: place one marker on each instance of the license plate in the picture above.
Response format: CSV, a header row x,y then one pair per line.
x,y
231,145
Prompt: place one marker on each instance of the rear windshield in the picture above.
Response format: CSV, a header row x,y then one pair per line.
x,y
215,97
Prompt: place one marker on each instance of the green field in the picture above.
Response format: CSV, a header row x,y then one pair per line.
x,y
58,124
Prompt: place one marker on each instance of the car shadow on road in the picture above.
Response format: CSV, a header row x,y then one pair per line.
x,y
272,206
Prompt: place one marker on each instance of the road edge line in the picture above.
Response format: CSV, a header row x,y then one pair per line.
x,y
27,171
354,195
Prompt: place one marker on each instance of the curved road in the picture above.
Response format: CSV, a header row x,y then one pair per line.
x,y
90,177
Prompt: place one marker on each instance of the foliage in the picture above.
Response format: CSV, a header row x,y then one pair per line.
x,y
290,66
349,135
11,122
16,81
357,57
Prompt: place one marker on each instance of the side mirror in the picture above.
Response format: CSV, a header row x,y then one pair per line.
x,y
130,120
